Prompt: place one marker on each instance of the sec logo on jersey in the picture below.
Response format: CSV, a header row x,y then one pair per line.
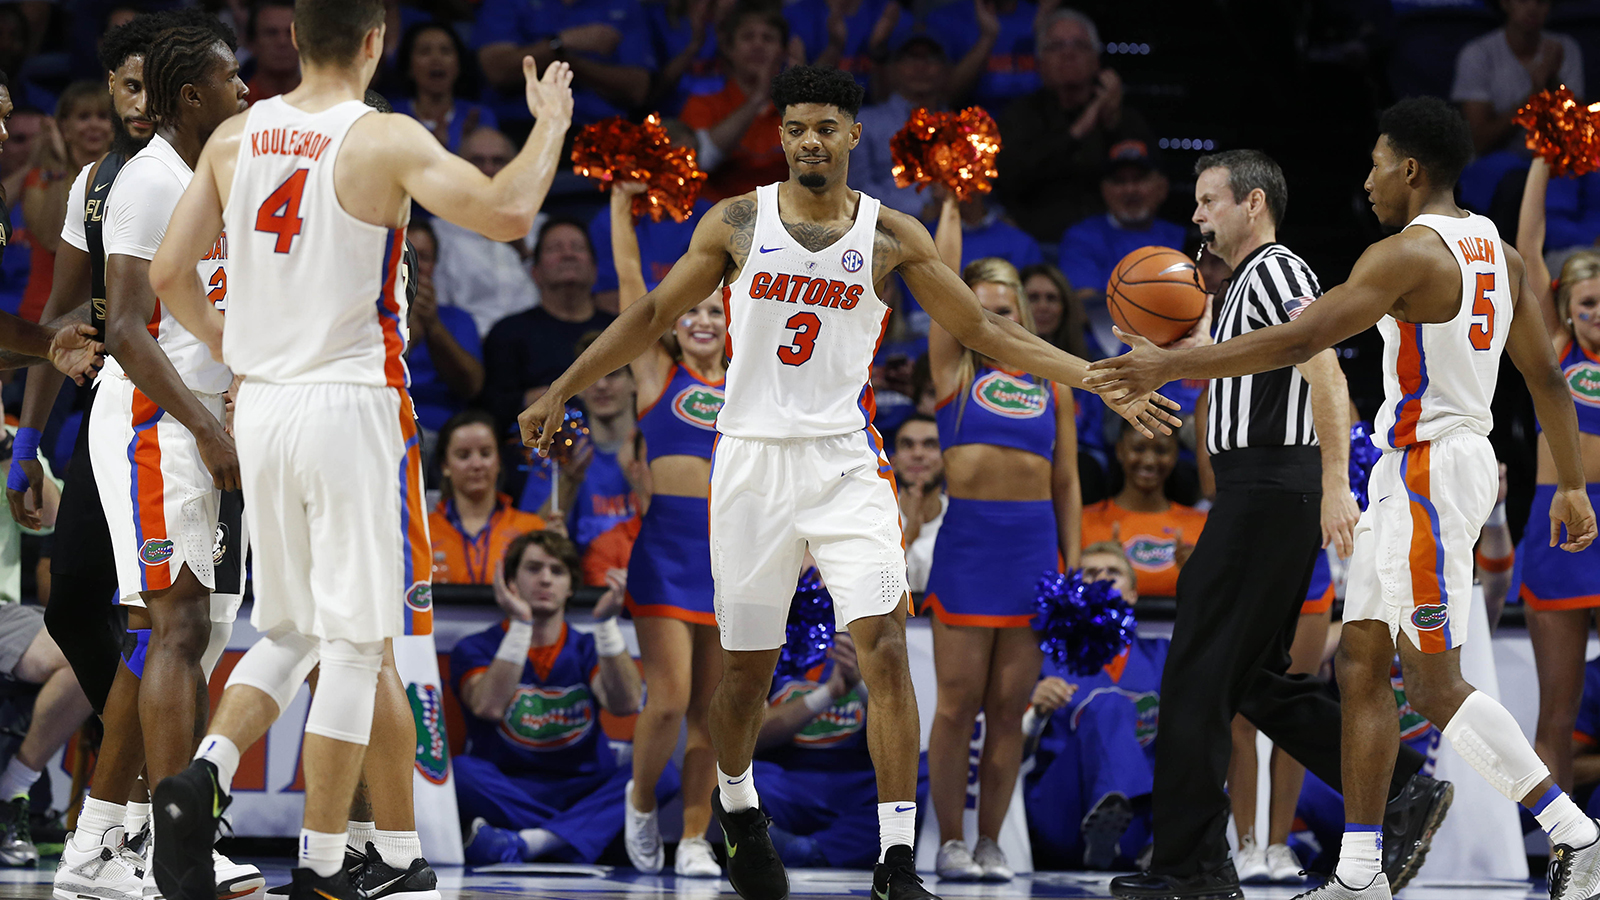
x,y
852,261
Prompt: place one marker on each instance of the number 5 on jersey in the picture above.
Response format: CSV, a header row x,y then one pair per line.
x,y
804,342
1482,333
280,212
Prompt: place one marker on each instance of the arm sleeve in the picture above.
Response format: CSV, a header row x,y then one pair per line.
x,y
72,229
139,208
1472,75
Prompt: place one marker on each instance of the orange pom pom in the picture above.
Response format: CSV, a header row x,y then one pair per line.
x,y
1565,133
619,150
956,150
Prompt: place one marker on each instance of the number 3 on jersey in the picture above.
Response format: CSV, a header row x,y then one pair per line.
x,y
804,342
280,212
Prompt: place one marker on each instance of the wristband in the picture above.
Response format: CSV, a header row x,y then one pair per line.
x,y
608,640
24,446
1033,723
514,646
818,700
1497,516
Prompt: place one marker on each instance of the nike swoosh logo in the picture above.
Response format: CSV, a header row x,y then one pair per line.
x,y
732,847
880,895
101,187
1383,498
216,793
905,808
376,891
738,780
770,249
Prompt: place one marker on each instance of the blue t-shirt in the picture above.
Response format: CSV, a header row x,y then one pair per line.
x,y
434,400
703,76
808,21
552,725
661,244
460,113
605,498
997,237
836,740
1010,72
1132,678
1093,247
528,21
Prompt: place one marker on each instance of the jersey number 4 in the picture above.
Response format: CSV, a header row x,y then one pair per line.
x,y
1482,333
280,212
806,326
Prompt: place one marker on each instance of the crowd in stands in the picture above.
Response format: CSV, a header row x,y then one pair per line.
x,y
1085,177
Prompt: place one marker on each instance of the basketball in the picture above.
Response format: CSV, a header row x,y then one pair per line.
x,y
1155,292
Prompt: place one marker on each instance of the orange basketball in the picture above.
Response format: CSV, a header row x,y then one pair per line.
x,y
1155,292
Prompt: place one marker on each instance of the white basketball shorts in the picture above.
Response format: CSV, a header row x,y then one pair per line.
x,y
1412,565
333,481
771,501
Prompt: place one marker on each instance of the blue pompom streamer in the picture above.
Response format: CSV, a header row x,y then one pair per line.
x,y
1082,626
809,633
1364,454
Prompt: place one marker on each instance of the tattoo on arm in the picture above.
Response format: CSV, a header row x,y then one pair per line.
x,y
885,252
740,215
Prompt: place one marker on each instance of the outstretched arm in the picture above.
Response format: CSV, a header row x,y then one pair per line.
x,y
1530,243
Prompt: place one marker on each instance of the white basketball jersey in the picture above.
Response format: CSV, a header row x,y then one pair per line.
x,y
1439,379
316,295
803,328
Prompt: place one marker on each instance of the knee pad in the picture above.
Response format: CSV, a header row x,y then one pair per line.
x,y
346,691
220,632
277,665
134,648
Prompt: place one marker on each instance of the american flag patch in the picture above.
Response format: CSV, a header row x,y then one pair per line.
x,y
1297,306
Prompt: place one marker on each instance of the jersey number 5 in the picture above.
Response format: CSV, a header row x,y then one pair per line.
x,y
1482,333
280,212
799,349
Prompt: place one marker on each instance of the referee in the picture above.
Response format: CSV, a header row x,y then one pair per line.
x,y
1280,496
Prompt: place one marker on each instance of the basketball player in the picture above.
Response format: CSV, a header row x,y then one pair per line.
x,y
1448,296
315,189
797,463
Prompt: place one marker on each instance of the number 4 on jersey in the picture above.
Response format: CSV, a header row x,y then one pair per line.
x,y
280,212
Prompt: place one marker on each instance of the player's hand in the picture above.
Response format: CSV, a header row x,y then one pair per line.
x,y
76,353
1146,413
230,399
220,457
1052,693
610,603
1339,515
507,599
539,423
1571,508
27,503
1140,371
549,96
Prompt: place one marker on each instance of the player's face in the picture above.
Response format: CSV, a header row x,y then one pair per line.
x,y
702,332
1386,185
916,454
817,140
543,581
472,461
999,299
434,62
1046,303
1146,462
609,397
128,99
1583,307
222,94
5,115
1223,220
86,129
1112,568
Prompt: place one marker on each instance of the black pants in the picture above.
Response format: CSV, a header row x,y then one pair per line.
x,y
1239,601
83,579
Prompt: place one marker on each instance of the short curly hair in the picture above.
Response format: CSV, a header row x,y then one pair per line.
x,y
1433,133
138,35
816,84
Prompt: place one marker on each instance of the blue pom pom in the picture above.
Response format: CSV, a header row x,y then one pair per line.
x,y
809,633
1364,454
1082,626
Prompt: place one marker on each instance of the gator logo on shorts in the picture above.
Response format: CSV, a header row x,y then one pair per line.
x,y
1150,554
698,404
549,718
219,544
433,748
420,596
834,725
1431,617
1583,379
155,551
1004,395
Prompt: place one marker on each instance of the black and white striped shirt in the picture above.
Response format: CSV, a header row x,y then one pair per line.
x,y
1268,409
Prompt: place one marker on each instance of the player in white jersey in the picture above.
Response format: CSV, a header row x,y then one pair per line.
x,y
1448,296
316,190
797,463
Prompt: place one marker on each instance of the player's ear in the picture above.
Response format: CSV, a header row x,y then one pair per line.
x,y
189,95
855,135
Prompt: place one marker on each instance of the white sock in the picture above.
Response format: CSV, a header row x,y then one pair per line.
x,y
1360,855
95,819
320,852
134,820
897,826
1563,820
358,834
17,780
539,842
397,848
220,752
738,793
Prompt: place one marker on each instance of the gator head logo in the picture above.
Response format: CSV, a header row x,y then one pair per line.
x,y
698,404
1584,381
155,551
433,748
1006,396
835,725
1147,716
219,544
420,596
549,718
1429,618
1150,554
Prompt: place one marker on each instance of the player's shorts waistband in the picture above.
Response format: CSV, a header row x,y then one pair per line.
x,y
1293,469
790,441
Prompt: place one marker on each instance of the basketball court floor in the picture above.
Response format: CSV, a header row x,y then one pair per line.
x,y
543,882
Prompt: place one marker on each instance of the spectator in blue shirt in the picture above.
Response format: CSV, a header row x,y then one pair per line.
x,y
994,43
1572,212
918,74
606,42
660,243
430,63
444,354
1133,188
844,34
684,36
985,232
